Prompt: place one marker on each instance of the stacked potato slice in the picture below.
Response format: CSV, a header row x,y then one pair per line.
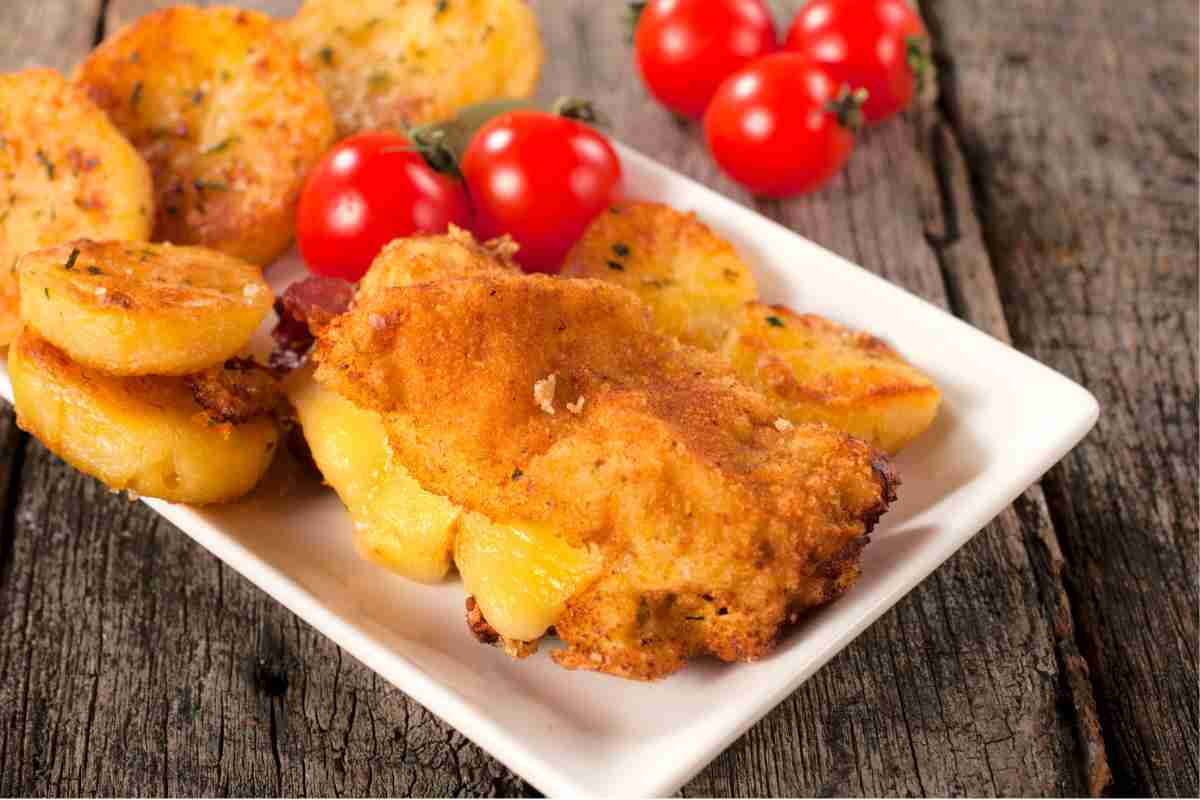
x,y
189,125
111,369
698,289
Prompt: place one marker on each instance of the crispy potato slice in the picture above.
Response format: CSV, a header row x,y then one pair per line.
x,y
142,309
397,524
146,435
521,575
65,172
388,65
227,116
823,372
693,281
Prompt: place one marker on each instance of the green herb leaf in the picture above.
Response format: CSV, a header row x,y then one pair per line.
x,y
47,163
326,54
775,322
517,473
221,145
70,265
615,265
210,186
94,270
621,249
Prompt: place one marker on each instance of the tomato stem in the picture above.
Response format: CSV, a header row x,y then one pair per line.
x,y
847,107
917,56
633,15
430,142
578,109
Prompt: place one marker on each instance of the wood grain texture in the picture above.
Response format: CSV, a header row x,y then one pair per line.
x,y
135,663
1080,123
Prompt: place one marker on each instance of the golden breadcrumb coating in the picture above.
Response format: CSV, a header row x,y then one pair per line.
x,y
717,525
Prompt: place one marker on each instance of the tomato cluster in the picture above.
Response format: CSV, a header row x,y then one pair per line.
x,y
780,120
537,176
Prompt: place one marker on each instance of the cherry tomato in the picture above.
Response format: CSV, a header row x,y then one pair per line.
x,y
541,178
780,126
369,189
872,44
685,48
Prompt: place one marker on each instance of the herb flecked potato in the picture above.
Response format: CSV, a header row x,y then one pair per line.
x,y
65,172
131,308
692,280
819,371
389,65
146,435
227,116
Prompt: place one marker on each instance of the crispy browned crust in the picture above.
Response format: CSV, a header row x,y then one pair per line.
x,y
237,391
484,633
718,524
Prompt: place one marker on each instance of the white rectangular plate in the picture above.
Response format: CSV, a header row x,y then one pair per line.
x,y
1005,420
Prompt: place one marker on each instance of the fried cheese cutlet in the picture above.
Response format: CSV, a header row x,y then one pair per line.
x,y
422,259
554,403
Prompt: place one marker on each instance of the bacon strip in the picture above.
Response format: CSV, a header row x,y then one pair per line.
x,y
305,307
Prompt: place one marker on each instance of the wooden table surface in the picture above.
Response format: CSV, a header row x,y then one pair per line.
x,y
1045,190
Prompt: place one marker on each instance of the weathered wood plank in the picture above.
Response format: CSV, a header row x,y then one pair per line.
x,y
1081,124
148,667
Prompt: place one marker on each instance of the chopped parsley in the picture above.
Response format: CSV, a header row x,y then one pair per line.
x,y
441,7
135,97
775,322
94,270
70,265
47,163
517,473
198,97
621,249
212,186
615,265
326,54
221,145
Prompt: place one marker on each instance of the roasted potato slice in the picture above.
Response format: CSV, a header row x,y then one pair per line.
x,y
397,524
142,309
65,172
146,435
521,576
693,281
820,371
387,65
227,116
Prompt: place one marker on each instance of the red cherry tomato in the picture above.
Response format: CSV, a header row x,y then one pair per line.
x,y
775,126
366,191
869,44
541,178
685,48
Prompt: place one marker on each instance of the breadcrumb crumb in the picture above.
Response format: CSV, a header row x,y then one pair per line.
x,y
782,425
543,393
577,406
